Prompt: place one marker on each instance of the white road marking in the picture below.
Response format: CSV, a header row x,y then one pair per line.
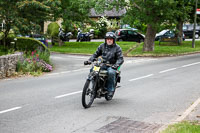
x,y
142,77
69,94
191,64
171,69
57,57
65,58
77,70
79,57
66,72
52,74
139,60
81,69
8,110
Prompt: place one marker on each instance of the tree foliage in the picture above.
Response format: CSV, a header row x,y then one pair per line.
x,y
73,11
25,16
152,15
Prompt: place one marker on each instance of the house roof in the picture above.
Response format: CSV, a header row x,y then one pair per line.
x,y
111,13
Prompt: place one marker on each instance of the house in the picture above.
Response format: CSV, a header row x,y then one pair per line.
x,y
110,15
113,16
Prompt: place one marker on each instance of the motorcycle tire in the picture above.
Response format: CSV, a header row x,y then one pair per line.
x,y
88,90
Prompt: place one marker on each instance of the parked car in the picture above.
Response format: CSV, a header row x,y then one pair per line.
x,y
166,34
40,38
188,31
129,35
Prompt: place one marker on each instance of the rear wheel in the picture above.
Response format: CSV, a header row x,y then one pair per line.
x,y
88,93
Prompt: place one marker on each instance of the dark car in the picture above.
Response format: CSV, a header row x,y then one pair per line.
x,y
40,38
129,35
166,34
188,31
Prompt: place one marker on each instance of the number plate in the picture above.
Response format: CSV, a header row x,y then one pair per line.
x,y
96,68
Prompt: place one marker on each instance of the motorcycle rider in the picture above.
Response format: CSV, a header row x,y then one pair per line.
x,y
79,35
112,54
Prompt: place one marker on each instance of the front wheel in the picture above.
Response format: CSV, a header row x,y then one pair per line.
x,y
88,93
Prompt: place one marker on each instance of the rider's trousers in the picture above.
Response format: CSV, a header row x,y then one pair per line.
x,y
111,79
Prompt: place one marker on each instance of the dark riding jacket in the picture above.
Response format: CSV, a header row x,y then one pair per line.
x,y
112,54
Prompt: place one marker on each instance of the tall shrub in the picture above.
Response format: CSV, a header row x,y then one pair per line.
x,y
52,31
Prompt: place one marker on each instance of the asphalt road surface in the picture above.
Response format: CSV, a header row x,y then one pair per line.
x,y
153,92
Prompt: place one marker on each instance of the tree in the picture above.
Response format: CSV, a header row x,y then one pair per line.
x,y
151,13
183,10
72,11
24,16
7,16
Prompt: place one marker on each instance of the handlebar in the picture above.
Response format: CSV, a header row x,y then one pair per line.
x,y
87,62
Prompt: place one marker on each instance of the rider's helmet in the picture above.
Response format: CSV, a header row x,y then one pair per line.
x,y
79,30
110,35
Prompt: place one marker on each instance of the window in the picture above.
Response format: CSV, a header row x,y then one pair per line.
x,y
130,32
123,32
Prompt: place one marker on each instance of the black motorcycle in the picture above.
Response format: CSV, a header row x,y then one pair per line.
x,y
64,36
95,86
85,36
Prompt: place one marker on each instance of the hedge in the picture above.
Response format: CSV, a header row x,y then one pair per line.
x,y
29,44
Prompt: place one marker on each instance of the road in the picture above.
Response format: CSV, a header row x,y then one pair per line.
x,y
153,92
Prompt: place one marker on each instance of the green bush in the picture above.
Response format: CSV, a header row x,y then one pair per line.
x,y
29,44
1,35
96,33
53,29
9,39
102,29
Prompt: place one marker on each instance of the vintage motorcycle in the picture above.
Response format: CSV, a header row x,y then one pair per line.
x,y
95,85
85,36
64,36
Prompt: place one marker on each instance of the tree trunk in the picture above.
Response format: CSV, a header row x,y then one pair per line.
x,y
42,27
7,30
5,38
179,35
60,42
52,41
149,39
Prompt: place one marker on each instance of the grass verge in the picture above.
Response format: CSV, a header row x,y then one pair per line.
x,y
183,127
86,47
128,48
166,49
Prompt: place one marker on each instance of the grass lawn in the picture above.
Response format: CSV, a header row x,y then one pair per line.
x,y
87,47
165,50
159,50
183,127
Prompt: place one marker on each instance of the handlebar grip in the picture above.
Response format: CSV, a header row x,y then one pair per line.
x,y
87,62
